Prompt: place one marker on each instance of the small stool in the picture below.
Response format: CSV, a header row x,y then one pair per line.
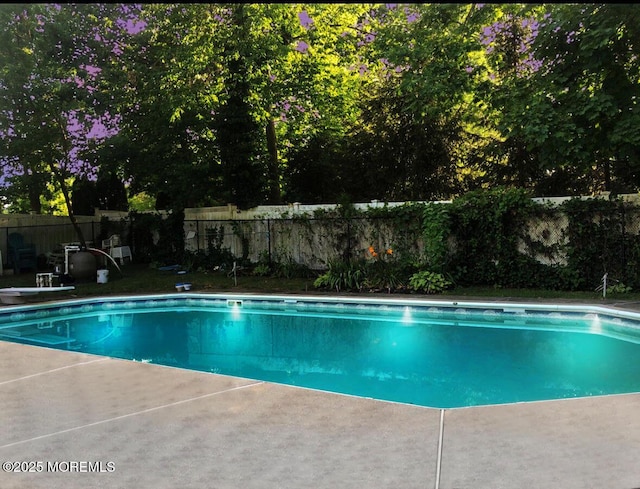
x,y
120,253
44,279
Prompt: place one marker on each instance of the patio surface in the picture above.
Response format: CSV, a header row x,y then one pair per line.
x,y
148,426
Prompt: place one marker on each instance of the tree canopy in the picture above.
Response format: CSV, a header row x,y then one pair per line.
x,y
208,104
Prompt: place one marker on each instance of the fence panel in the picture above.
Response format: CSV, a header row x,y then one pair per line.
x,y
610,245
312,242
49,237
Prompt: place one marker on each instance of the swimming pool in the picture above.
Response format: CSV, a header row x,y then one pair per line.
x,y
429,353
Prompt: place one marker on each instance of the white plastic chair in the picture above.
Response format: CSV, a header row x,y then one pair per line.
x,y
110,242
117,251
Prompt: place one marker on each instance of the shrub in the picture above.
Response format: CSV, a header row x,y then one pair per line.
x,y
382,275
262,270
429,282
291,269
342,275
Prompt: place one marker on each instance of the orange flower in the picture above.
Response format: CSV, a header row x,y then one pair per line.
x,y
372,250
389,251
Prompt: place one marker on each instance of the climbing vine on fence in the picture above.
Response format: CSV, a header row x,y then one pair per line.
x,y
436,230
498,237
599,240
403,224
487,229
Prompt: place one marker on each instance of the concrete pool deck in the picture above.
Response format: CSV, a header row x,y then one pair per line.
x,y
98,422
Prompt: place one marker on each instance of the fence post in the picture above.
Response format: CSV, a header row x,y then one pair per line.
x,y
269,240
349,254
198,235
623,231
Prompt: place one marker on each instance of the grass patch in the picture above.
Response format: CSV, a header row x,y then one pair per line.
x,y
143,279
535,294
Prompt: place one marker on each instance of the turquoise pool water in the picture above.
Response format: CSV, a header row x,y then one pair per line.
x,y
430,354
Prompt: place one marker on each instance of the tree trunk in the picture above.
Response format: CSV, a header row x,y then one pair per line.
x,y
67,200
34,198
274,173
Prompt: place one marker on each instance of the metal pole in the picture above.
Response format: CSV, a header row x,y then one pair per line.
x,y
348,238
269,240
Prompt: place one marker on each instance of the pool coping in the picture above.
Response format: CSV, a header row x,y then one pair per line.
x,y
629,309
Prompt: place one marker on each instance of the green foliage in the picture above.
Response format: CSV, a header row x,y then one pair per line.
x,y
111,192
403,223
49,101
143,227
500,238
217,254
214,257
261,270
570,118
287,268
385,272
291,269
169,247
250,103
141,202
619,288
485,236
237,135
311,170
487,227
84,198
485,239
110,227
382,275
597,236
342,275
381,272
436,228
428,282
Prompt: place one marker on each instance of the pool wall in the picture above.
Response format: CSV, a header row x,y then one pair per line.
x,y
610,321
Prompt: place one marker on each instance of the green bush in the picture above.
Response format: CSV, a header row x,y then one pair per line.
x,y
383,275
291,269
262,270
619,288
342,275
428,282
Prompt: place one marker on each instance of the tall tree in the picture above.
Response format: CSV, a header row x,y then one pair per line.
x,y
52,109
208,77
591,52
421,125
166,142
569,102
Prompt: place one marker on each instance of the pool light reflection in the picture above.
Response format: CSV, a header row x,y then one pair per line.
x,y
235,306
407,318
596,325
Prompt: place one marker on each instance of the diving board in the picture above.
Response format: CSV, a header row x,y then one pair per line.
x,y
15,295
